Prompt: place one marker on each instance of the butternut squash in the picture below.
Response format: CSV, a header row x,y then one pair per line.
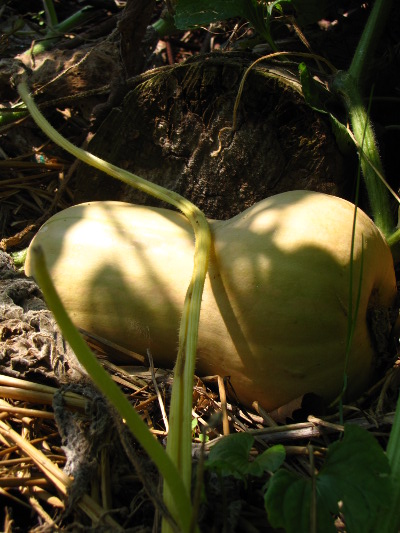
x,y
276,301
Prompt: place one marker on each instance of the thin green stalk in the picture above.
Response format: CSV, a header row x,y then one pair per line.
x,y
394,238
378,194
50,11
348,84
165,26
352,317
179,438
368,41
8,116
55,32
111,391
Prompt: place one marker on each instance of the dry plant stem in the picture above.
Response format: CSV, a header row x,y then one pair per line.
x,y
7,494
8,381
20,389
32,396
34,503
222,395
57,476
268,420
179,439
156,388
21,411
46,496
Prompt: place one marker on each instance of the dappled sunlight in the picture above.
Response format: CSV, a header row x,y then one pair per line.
x,y
286,307
111,281
274,314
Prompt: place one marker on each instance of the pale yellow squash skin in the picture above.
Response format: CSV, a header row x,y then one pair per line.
x,y
274,313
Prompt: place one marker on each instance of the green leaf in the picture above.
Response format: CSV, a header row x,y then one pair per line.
x,y
268,461
230,457
343,139
316,95
277,5
288,502
312,90
356,473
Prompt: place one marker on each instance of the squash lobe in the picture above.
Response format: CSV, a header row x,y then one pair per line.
x,y
276,301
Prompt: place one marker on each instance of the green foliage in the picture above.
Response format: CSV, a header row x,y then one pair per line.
x,y
192,13
354,481
230,457
19,258
314,93
318,97
202,436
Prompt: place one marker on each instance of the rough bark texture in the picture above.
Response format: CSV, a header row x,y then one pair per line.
x,y
31,344
167,130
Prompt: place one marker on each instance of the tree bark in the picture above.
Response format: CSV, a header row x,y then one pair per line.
x,y
169,126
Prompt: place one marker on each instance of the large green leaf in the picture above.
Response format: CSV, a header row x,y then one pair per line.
x,y
230,457
268,461
355,473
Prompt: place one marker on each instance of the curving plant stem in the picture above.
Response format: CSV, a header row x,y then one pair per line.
x,y
179,438
349,87
363,132
366,46
111,391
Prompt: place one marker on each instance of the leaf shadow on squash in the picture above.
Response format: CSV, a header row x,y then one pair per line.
x,y
292,307
112,305
275,321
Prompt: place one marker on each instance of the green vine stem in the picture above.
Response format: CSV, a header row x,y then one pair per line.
x,y
376,22
179,438
348,84
165,25
363,132
50,12
111,391
55,31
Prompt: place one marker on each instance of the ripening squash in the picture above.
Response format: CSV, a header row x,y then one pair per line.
x,y
275,308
